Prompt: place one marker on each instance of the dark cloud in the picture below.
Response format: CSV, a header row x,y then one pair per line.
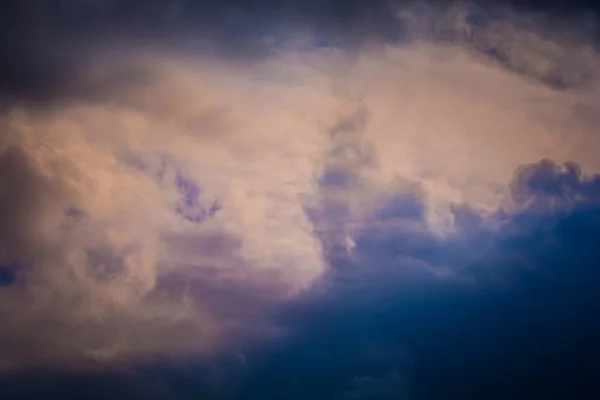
x,y
298,200
526,327
44,44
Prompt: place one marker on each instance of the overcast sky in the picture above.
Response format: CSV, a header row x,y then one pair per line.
x,y
299,200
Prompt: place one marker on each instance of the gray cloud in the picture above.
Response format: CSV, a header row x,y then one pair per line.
x,y
160,198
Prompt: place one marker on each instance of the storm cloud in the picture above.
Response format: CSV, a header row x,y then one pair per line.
x,y
295,184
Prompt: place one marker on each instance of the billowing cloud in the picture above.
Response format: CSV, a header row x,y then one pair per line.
x,y
157,200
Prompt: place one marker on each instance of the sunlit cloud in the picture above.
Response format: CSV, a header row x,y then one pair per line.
x,y
169,196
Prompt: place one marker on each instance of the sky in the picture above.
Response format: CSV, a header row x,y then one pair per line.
x,y
299,200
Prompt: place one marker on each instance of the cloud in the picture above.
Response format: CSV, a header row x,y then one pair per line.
x,y
389,386
516,310
159,199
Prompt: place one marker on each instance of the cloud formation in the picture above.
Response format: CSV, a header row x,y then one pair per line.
x,y
155,200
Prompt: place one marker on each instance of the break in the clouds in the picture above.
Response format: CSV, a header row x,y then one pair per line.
x,y
158,200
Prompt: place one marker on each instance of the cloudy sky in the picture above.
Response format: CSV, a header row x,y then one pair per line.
x,y
299,200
